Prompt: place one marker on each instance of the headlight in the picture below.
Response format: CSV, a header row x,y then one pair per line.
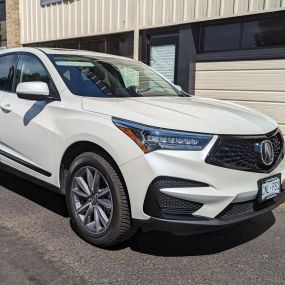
x,y
151,138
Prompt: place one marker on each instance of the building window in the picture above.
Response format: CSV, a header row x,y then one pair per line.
x,y
3,36
221,37
264,33
117,44
94,44
267,30
121,44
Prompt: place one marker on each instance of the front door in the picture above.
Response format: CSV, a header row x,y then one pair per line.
x,y
6,72
28,137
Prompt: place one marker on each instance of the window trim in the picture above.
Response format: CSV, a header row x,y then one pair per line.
x,y
54,97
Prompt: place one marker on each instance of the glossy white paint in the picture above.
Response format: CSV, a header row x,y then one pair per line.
x,y
33,88
198,115
40,133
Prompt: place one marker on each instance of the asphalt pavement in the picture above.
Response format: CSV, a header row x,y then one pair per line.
x,y
38,246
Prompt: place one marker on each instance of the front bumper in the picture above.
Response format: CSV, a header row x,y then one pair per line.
x,y
220,186
197,225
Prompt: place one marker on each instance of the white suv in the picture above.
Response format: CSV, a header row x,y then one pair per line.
x,y
130,150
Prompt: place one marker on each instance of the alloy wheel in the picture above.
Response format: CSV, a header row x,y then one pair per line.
x,y
92,199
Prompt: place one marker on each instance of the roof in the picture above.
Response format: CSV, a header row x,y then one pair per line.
x,y
63,52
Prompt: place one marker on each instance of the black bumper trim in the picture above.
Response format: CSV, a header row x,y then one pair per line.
x,y
198,225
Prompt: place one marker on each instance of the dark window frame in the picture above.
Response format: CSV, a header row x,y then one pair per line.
x,y
186,51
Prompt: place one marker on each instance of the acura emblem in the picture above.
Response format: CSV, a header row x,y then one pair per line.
x,y
267,152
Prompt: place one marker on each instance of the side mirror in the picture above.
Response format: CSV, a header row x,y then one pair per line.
x,y
34,90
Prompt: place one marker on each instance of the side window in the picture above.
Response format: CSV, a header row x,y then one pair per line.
x,y
30,68
6,63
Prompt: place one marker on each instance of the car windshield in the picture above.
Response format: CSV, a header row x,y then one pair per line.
x,y
111,77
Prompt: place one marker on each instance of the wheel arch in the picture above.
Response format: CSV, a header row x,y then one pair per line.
x,y
78,148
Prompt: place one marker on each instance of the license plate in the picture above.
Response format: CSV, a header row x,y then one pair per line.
x,y
269,188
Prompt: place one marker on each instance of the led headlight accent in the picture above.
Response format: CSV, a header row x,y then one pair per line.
x,y
151,138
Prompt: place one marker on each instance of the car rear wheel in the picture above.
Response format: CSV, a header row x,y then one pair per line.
x,y
97,201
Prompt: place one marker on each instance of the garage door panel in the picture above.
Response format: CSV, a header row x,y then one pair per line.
x,y
242,65
247,80
258,84
265,96
274,110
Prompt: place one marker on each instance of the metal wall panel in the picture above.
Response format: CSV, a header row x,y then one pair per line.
x,y
79,18
257,84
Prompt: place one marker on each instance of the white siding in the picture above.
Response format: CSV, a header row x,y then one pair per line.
x,y
257,84
94,17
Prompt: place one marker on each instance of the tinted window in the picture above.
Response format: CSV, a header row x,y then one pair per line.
x,y
31,69
94,44
2,10
110,77
6,62
121,44
264,33
221,37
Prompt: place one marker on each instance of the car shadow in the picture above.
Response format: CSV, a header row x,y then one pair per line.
x,y
151,243
166,244
48,199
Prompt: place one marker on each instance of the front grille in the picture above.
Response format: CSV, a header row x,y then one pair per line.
x,y
160,205
241,153
244,208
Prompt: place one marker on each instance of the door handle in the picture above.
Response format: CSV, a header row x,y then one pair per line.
x,y
6,108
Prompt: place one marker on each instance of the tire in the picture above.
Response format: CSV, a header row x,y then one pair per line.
x,y
93,227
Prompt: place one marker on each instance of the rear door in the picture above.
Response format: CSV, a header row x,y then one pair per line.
x,y
29,126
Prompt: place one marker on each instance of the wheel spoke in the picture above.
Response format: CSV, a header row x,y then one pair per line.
x,y
90,179
96,181
80,193
106,203
83,208
97,220
83,185
87,217
102,216
103,192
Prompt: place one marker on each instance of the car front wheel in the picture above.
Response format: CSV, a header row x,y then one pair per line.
x,y
97,201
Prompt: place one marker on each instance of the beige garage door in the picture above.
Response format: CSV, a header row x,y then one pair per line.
x,y
256,84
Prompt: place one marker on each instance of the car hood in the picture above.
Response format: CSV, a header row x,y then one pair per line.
x,y
184,113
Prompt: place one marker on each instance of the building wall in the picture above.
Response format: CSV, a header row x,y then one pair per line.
x,y
12,23
257,84
77,18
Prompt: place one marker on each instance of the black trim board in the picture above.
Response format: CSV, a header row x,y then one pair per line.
x,y
25,163
252,54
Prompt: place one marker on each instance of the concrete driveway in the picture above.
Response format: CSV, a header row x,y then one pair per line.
x,y
37,246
